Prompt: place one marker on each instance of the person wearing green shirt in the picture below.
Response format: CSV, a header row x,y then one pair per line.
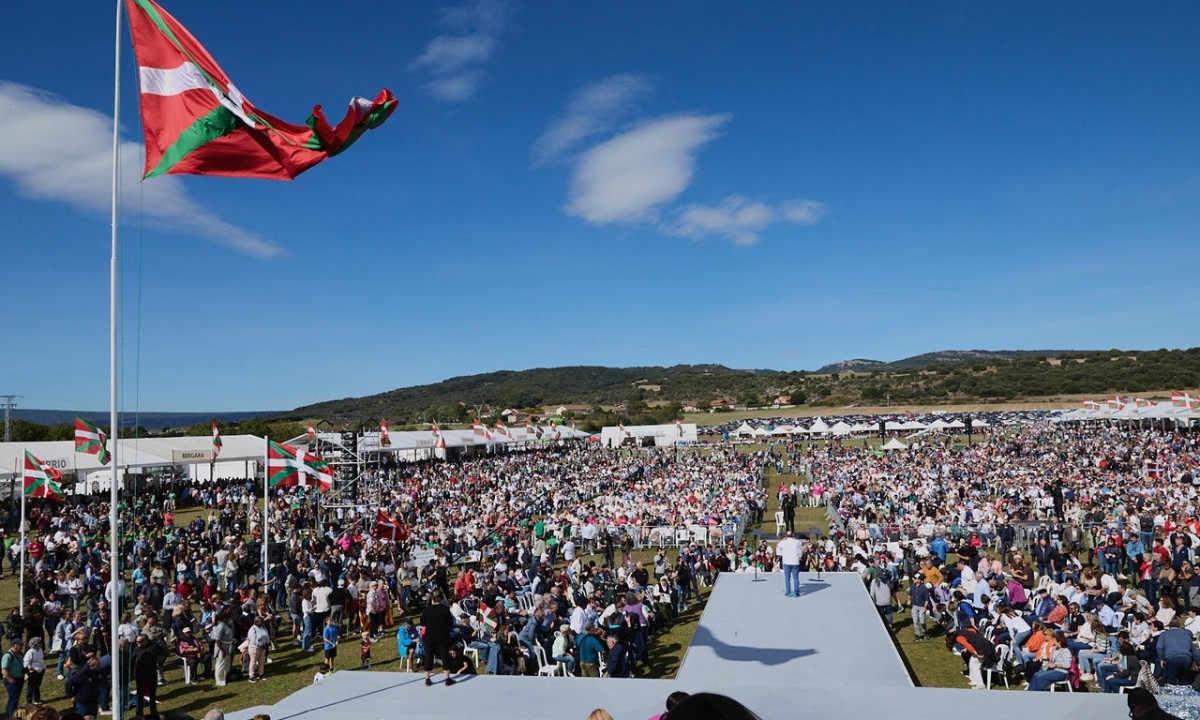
x,y
12,667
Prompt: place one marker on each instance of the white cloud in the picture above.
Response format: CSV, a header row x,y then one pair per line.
x,y
592,110
453,59
804,212
625,178
739,219
53,150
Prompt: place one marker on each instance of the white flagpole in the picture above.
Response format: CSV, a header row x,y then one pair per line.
x,y
114,416
21,601
262,579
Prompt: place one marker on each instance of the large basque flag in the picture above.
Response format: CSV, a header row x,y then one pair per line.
x,y
196,122
41,480
287,465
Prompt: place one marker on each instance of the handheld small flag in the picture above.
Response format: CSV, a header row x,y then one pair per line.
x,y
387,526
91,440
486,617
41,480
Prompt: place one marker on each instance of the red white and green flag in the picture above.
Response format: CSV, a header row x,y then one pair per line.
x,y
434,428
1184,400
486,617
216,440
1116,402
385,439
312,433
441,442
91,440
478,427
196,122
1142,403
1091,405
41,480
528,428
287,465
502,429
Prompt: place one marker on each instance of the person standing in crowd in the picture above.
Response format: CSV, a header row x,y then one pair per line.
x,y
329,637
35,670
438,622
222,637
618,657
790,550
12,667
145,675
84,687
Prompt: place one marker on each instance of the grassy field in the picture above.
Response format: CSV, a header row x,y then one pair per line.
x,y
291,669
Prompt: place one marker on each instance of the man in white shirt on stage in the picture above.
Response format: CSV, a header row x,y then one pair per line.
x,y
789,550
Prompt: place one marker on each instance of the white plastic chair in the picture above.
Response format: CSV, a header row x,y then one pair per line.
x,y
1001,658
545,667
779,522
683,536
1065,683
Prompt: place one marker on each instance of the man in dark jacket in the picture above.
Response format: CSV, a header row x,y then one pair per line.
x,y
618,658
145,674
84,687
438,622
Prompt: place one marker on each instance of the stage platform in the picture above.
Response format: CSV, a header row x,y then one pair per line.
x,y
825,654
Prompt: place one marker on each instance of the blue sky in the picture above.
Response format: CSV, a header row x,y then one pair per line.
x,y
762,185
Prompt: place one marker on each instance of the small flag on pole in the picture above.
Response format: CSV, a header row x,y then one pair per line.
x,y
41,480
216,439
91,440
385,439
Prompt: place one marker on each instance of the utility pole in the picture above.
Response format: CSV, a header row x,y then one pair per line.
x,y
10,402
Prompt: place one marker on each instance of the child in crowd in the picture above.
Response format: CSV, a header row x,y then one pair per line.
x,y
364,651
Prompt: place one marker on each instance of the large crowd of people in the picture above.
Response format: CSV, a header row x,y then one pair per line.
x,y
1061,552
1066,553
507,563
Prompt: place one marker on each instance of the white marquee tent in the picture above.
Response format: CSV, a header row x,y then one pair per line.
x,y
664,435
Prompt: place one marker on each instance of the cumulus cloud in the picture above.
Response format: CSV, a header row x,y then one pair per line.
x,y
591,111
740,219
625,178
56,151
453,59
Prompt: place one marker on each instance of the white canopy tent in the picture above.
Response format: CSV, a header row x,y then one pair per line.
x,y
238,458
841,428
663,435
894,444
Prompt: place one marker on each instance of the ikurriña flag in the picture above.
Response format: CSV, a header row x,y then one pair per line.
x,y
287,465
41,480
196,122
385,438
91,440
216,439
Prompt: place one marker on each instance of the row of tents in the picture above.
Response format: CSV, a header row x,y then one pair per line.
x,y
1162,410
842,428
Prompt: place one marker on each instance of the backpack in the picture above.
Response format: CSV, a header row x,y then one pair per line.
x,y
886,577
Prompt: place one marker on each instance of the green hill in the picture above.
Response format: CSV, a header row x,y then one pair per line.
x,y
941,377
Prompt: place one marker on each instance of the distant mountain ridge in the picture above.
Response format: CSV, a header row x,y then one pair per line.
x,y
916,362
149,420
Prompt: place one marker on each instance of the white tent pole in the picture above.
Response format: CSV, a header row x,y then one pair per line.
x,y
266,497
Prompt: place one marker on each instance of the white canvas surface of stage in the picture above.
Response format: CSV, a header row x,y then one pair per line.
x,y
824,654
